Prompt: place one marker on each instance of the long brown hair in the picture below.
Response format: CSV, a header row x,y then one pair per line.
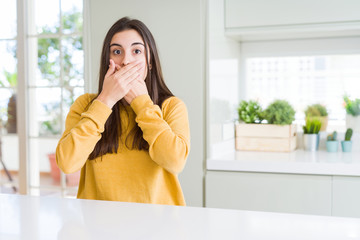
x,y
155,84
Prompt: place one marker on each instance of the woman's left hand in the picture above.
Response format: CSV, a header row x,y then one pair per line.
x,y
138,87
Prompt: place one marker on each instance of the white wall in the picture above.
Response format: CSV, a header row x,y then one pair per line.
x,y
223,79
178,28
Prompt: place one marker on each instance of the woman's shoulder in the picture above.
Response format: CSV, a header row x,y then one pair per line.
x,y
83,100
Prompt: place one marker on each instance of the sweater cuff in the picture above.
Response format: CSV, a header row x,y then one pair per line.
x,y
98,111
141,102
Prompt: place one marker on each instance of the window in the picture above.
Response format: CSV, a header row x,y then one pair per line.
x,y
305,80
304,72
55,81
8,86
55,63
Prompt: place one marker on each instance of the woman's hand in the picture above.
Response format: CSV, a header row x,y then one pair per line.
x,y
119,81
138,87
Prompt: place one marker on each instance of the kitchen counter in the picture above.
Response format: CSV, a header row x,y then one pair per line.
x,y
27,217
298,162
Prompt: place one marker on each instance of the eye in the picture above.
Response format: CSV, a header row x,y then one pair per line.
x,y
137,51
117,51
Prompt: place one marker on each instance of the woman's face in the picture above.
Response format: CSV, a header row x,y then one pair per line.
x,y
127,47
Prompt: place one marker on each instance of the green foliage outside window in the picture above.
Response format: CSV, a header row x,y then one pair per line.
x,y
48,69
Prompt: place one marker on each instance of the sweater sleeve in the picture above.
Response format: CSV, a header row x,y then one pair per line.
x,y
167,132
83,128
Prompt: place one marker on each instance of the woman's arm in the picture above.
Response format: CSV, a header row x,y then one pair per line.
x,y
83,128
167,131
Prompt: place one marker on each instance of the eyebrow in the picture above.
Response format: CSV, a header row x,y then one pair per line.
x,y
119,45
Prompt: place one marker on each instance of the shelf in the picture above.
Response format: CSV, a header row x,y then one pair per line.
x,y
296,162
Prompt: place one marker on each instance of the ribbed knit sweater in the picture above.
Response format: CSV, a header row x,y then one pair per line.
x,y
128,175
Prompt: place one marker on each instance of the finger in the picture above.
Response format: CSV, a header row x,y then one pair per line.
x,y
130,66
129,73
131,79
111,69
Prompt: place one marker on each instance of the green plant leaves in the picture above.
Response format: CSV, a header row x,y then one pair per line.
x,y
312,126
279,112
316,110
250,112
352,106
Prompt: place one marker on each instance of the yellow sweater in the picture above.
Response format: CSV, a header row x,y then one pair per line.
x,y
128,175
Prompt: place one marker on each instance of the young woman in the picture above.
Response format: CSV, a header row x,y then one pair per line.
x,y
132,138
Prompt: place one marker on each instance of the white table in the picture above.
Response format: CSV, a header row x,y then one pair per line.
x,y
27,217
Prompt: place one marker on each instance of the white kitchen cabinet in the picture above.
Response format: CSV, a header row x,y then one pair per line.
x,y
288,193
346,196
258,19
256,13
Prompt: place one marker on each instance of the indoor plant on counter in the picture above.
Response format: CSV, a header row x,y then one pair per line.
x,y
332,143
311,134
346,145
277,135
352,113
317,111
250,112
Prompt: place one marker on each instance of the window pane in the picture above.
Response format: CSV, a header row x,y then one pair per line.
x,y
70,94
45,114
48,72
46,173
72,18
41,151
305,80
47,16
8,64
73,62
7,111
10,156
8,19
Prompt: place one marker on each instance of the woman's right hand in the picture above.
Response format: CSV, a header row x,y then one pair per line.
x,y
118,82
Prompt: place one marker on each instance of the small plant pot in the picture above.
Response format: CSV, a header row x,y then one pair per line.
x,y
332,146
311,142
346,146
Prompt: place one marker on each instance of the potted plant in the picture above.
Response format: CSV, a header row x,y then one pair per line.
x,y
250,112
318,111
279,112
311,134
352,113
332,143
277,135
346,145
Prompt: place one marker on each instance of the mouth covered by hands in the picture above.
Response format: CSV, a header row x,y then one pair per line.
x,y
126,82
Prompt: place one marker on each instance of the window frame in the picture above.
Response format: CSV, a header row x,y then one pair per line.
x,y
25,58
291,48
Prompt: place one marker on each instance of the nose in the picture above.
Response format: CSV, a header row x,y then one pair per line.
x,y
128,58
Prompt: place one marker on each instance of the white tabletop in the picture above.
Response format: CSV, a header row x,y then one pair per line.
x,y
299,162
26,217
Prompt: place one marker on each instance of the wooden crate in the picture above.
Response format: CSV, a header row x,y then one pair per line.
x,y
265,137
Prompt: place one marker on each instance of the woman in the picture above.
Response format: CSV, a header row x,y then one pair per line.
x,y
132,138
